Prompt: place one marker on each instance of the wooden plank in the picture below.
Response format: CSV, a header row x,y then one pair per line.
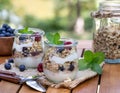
x,y
8,87
110,79
89,86
27,89
60,90
2,59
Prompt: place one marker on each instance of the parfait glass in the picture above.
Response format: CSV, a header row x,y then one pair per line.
x,y
60,61
28,48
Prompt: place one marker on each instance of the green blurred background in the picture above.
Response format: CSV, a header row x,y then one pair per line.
x,y
69,17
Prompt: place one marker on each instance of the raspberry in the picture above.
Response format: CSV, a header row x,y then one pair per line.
x,y
37,38
67,43
40,67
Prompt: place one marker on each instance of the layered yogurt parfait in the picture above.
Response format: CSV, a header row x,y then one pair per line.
x,y
28,47
61,60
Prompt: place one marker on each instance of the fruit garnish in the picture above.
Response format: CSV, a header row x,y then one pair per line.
x,y
40,67
6,31
61,68
71,68
54,38
59,50
10,60
7,66
22,68
67,42
26,31
92,60
37,38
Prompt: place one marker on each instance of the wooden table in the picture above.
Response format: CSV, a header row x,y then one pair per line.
x,y
108,82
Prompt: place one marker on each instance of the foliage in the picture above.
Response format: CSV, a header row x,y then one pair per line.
x,y
5,4
54,38
54,24
88,24
92,60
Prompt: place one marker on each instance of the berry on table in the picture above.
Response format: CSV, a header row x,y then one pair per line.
x,y
7,66
22,68
40,67
10,60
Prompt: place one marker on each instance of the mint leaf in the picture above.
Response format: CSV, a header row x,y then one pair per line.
x,y
54,38
49,36
82,64
26,31
101,56
88,55
92,60
96,67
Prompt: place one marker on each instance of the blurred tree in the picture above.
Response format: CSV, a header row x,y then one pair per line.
x,y
5,4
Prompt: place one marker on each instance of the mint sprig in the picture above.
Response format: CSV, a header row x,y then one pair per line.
x,y
92,60
25,31
54,38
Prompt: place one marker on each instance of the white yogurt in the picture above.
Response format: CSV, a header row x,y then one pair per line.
x,y
60,76
60,60
31,62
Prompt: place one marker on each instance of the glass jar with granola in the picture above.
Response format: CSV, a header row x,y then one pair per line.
x,y
60,61
106,37
28,47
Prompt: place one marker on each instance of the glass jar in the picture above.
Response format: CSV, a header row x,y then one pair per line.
x,y
28,48
60,61
106,37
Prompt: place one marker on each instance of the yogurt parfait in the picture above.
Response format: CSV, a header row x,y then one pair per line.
x,y
28,47
60,61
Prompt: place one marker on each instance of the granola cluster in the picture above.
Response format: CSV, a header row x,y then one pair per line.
x,y
62,53
107,40
27,51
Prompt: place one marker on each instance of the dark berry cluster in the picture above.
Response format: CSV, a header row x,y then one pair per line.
x,y
25,51
6,31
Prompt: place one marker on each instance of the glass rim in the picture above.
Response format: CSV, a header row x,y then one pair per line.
x,y
39,31
74,43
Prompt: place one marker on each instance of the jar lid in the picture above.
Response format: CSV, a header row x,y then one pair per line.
x,y
108,8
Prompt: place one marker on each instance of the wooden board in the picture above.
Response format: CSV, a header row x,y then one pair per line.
x,y
8,87
89,86
110,80
60,90
26,89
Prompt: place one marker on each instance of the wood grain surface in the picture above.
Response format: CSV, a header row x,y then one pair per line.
x,y
110,80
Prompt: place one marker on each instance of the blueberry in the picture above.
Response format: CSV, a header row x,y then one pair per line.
x,y
7,34
3,29
3,32
12,35
24,49
0,29
61,68
10,60
60,50
22,68
9,30
4,25
7,66
71,68
2,35
22,37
